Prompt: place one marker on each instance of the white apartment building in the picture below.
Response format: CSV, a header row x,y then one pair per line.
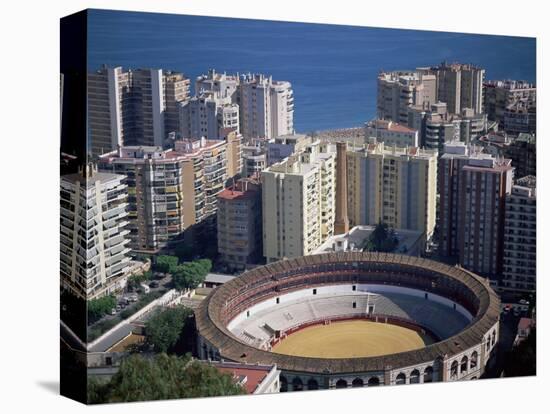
x,y
222,85
391,133
207,116
254,157
437,126
284,146
298,202
396,186
266,107
94,240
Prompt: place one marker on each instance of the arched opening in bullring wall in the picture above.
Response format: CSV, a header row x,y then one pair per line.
x,y
415,377
312,384
464,364
454,369
297,384
357,382
473,360
373,381
341,383
400,379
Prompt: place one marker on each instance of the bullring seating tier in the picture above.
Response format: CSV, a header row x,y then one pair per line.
x,y
442,320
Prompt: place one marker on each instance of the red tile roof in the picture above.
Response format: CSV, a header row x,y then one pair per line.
x,y
229,194
400,128
254,375
525,323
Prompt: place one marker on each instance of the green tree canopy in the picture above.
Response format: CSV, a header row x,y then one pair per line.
x,y
135,280
162,377
382,239
189,275
166,263
164,328
99,307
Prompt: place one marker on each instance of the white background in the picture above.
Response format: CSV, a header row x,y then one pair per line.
x,y
29,100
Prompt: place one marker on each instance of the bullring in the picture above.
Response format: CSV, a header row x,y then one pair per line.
x,y
245,319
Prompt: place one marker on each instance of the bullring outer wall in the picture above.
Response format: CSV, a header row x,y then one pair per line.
x,y
448,360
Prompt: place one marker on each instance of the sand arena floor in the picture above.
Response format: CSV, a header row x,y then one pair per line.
x,y
351,339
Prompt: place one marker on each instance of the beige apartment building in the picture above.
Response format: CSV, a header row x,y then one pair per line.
x,y
234,142
213,154
392,185
298,202
499,95
169,191
399,90
133,107
460,86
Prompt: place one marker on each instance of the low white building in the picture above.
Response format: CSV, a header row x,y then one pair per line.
x,y
391,133
284,146
410,242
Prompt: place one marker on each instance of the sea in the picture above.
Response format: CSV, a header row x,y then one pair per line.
x,y
332,68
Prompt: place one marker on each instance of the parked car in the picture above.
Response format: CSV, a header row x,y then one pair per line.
x,y
113,311
118,308
134,298
154,284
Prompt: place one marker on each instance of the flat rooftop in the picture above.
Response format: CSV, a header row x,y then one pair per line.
x,y
218,278
357,238
96,177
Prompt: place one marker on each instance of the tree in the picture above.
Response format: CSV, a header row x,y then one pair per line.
x,y
166,263
99,307
189,275
382,239
163,377
135,280
165,328
204,380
